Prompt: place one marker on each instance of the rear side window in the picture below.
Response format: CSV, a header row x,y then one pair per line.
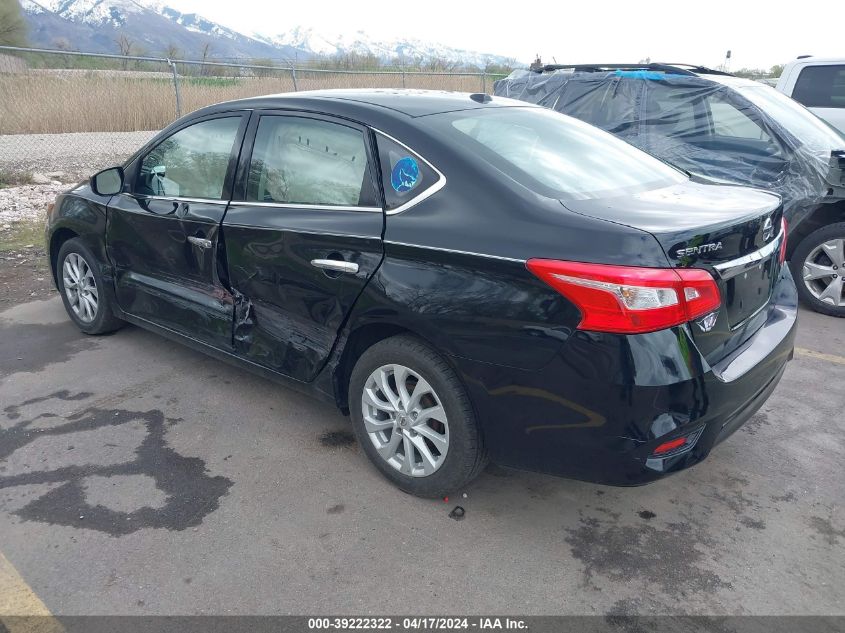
x,y
700,115
728,120
821,87
404,175
192,163
309,162
683,122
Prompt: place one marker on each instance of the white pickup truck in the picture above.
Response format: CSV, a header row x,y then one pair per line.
x,y
819,84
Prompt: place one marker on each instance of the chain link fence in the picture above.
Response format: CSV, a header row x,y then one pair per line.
x,y
72,113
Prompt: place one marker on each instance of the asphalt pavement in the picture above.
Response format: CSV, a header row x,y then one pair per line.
x,y
140,477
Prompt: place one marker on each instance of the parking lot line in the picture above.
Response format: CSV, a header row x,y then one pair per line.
x,y
18,599
831,358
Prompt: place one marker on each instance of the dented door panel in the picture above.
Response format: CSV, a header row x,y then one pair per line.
x,y
163,232
163,275
288,312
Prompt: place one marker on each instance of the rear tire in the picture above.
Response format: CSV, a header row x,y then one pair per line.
x,y
403,396
822,251
87,298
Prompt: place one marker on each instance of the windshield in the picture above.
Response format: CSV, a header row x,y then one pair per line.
x,y
556,155
805,126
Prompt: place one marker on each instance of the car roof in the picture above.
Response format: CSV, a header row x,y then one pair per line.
x,y
408,102
816,60
732,81
653,71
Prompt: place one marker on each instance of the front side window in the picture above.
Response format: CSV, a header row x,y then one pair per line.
x,y
555,155
600,103
671,112
309,162
192,163
821,87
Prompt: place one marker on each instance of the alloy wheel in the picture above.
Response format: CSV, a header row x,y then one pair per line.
x,y
405,420
80,287
822,272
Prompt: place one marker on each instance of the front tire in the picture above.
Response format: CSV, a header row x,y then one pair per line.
x,y
413,419
818,264
86,297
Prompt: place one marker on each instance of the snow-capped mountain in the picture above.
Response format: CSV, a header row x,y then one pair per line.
x,y
112,13
310,40
154,27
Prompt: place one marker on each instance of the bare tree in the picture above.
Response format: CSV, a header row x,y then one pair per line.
x,y
62,44
124,45
138,51
440,65
12,25
206,53
172,52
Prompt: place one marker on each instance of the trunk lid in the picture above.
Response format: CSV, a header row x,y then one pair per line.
x,y
732,232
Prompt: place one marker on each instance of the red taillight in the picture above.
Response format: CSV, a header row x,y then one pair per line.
x,y
630,300
782,254
669,446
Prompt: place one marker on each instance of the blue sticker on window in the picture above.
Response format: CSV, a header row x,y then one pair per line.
x,y
405,175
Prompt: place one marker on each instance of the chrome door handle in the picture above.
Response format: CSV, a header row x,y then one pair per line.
x,y
199,241
338,266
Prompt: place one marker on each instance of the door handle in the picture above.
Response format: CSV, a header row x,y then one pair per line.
x,y
199,241
336,265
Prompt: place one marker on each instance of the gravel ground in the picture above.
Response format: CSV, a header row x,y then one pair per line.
x,y
24,272
27,202
76,154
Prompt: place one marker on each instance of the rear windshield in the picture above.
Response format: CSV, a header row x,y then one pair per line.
x,y
555,155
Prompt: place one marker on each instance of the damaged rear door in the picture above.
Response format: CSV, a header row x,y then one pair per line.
x,y
303,236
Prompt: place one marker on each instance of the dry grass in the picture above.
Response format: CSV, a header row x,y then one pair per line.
x,y
46,103
9,178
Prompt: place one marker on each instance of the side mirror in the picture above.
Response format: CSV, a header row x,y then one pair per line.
x,y
108,182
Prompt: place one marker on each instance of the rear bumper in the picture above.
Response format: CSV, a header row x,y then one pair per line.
x,y
603,404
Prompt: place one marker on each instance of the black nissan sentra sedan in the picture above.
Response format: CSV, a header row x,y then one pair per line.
x,y
470,278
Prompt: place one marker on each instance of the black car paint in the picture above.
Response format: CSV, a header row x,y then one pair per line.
x,y
690,215
289,312
548,396
599,408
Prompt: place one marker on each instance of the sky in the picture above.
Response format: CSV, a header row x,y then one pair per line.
x,y
759,34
